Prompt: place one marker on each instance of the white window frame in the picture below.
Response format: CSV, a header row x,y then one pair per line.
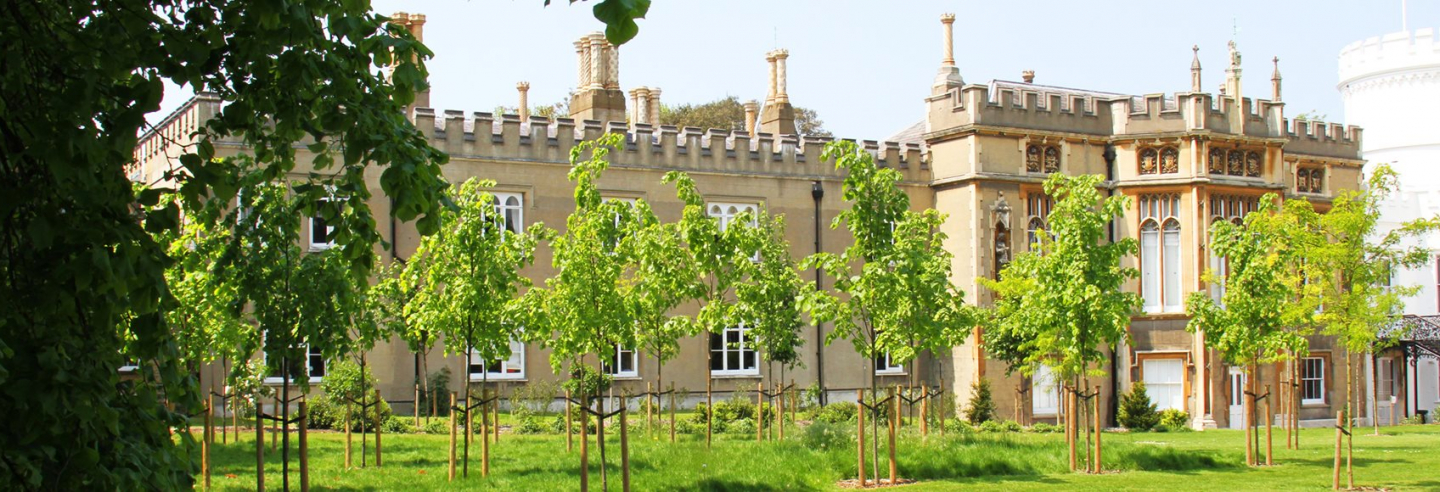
x,y
129,366
329,232
511,369
1178,385
1043,383
886,366
506,204
621,354
740,348
1160,254
310,357
726,212
1305,379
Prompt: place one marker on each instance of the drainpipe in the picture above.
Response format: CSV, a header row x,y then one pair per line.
x,y
1109,156
818,192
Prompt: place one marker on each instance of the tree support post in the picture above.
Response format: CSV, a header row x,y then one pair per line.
x,y
625,448
585,448
569,431
454,435
894,416
1070,427
417,407
1098,468
860,433
759,412
1339,431
709,410
379,422
205,443
259,444
484,433
305,449
348,441
672,412
649,406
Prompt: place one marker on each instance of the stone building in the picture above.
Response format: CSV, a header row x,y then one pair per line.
x,y
978,154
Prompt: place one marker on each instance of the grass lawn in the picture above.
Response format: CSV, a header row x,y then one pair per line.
x,y
1401,458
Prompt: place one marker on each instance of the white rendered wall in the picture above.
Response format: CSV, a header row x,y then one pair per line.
x,y
1391,88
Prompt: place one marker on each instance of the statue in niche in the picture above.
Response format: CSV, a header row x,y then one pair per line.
x,y
1000,215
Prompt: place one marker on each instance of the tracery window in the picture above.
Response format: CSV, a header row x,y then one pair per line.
x,y
1042,159
1310,180
1160,253
1037,210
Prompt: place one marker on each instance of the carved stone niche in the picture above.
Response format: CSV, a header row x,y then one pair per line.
x,y
1000,217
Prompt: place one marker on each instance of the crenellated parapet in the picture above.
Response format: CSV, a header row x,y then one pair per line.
x,y
485,136
1319,138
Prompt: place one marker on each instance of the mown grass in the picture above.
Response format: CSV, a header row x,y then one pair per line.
x,y
1401,458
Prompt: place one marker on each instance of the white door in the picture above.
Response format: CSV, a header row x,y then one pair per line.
x,y
1237,398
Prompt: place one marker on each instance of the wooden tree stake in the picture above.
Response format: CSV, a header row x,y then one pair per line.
x,y
1098,468
417,407
379,422
860,414
709,410
894,416
259,445
453,435
205,443
1339,430
348,441
305,449
569,431
1269,438
484,434
624,448
585,448
759,412
672,412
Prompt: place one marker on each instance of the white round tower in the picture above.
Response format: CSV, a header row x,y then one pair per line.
x,y
1391,88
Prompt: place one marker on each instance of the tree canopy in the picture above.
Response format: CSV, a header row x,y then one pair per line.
x,y
728,113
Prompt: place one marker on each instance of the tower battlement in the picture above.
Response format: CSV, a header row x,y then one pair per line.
x,y
486,136
1397,51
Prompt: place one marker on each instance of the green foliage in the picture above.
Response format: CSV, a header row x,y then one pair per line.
x,y
999,426
835,413
436,426
534,397
1061,303
1136,411
530,424
827,435
86,285
729,114
1044,428
438,384
585,380
982,405
895,276
1251,323
1174,420
467,277
396,424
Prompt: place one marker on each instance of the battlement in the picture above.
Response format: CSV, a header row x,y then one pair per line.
x,y
1391,52
506,137
1313,137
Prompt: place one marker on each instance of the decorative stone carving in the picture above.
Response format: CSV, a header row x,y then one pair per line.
x,y
1052,160
1000,216
1032,159
1170,160
1217,161
1252,164
1148,158
1235,163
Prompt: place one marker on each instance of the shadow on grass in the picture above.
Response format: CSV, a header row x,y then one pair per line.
x,y
1148,458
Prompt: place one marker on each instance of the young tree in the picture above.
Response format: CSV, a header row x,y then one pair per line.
x,y
661,275
577,308
1250,324
1352,268
469,276
1063,302
771,293
895,275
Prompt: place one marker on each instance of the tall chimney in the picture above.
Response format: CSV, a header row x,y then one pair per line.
x,y
1195,70
654,107
948,78
949,21
598,95
524,88
640,96
751,108
778,117
415,23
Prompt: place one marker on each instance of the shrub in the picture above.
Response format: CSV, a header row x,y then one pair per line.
x,y
1174,420
810,397
1137,413
1413,420
744,427
530,424
436,426
992,426
398,425
825,435
533,398
982,406
1044,428
836,413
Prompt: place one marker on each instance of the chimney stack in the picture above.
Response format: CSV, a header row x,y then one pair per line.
x,y
598,95
1028,76
640,97
415,23
751,111
949,76
654,107
1195,70
778,117
524,88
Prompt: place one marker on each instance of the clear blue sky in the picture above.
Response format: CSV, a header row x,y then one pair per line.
x,y
865,66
